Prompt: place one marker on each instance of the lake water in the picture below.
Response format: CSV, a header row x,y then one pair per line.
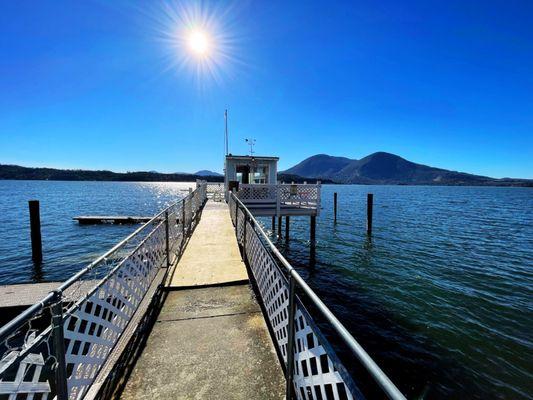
x,y
441,297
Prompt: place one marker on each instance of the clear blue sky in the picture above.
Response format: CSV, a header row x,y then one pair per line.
x,y
94,84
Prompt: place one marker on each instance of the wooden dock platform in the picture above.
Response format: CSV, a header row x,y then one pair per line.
x,y
208,342
111,219
27,294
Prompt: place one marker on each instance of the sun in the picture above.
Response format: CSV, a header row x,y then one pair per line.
x,y
198,42
200,39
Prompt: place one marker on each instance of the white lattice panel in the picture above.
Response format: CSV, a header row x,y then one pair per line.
x,y
94,326
257,192
29,379
240,226
316,367
305,195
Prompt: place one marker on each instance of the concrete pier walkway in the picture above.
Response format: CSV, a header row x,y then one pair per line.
x,y
212,256
208,342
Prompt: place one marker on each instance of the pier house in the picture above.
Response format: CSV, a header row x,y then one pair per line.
x,y
254,180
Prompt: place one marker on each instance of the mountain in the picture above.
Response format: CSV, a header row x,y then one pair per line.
x,y
52,174
205,172
319,166
387,168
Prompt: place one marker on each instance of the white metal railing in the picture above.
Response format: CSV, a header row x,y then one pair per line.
x,y
215,191
56,348
298,195
313,370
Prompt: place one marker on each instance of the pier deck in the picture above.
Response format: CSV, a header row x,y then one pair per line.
x,y
208,342
212,255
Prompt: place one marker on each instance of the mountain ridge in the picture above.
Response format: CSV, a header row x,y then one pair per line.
x,y
387,168
17,172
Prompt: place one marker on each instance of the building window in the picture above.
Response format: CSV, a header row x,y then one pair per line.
x,y
259,174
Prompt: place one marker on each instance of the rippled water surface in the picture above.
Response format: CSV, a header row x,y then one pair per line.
x,y
441,296
68,246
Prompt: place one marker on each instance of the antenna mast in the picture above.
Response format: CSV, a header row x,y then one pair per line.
x,y
226,149
251,143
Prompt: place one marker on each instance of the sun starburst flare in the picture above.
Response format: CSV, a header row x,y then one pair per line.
x,y
197,39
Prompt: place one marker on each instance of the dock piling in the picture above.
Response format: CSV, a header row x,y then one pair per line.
x,y
335,207
287,224
312,231
279,226
35,231
369,211
273,224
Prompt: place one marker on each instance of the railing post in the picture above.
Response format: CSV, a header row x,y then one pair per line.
x,y
59,346
278,201
183,218
236,215
244,236
167,239
290,338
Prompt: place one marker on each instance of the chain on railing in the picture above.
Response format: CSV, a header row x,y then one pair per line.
x,y
56,348
313,370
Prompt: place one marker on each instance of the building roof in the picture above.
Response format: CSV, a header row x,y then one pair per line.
x,y
247,158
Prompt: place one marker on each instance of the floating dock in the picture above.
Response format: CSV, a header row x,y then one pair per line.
x,y
110,219
27,294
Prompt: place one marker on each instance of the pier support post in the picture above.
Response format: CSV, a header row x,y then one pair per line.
x,y
273,224
369,211
35,228
335,207
287,224
290,339
279,226
59,346
312,231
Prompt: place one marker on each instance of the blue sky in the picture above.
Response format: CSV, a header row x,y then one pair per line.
x,y
101,85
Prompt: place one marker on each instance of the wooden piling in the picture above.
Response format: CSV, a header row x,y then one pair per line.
x,y
369,209
287,223
312,230
35,230
273,224
280,220
335,207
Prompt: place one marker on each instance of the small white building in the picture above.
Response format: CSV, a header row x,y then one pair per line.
x,y
253,170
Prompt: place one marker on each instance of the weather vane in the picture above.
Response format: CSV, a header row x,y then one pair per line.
x,y
251,143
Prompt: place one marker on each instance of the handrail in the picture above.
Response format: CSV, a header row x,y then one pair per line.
x,y
20,319
370,365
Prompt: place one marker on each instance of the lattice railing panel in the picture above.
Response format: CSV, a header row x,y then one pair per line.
x,y
93,325
240,226
27,368
257,192
303,195
318,373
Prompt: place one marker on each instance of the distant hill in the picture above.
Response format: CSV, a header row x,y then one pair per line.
x,y
319,166
205,172
52,174
387,168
